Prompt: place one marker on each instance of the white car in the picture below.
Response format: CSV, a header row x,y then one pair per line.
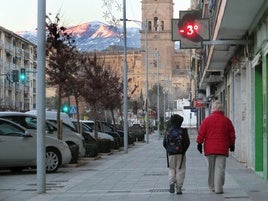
x,y
18,148
29,121
68,132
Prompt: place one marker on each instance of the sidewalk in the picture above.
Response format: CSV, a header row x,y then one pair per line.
x,y
141,174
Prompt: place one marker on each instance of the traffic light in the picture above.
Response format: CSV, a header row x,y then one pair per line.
x,y
15,75
22,74
65,108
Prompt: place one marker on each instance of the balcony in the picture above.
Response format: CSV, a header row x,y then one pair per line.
x,y
9,49
231,21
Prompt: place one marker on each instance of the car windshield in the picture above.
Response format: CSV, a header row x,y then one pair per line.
x,y
64,126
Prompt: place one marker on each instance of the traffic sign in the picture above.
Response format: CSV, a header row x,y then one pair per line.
x,y
73,110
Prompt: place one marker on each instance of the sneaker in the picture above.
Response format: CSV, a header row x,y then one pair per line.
x,y
172,188
179,191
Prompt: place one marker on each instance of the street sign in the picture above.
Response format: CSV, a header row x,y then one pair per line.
x,y
73,110
193,109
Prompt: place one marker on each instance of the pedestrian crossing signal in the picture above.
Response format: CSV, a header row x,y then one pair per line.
x,y
65,108
22,74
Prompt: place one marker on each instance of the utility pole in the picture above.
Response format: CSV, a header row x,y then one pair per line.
x,y
125,81
146,82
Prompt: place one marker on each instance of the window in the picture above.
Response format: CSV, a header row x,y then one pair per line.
x,y
7,128
162,25
155,23
149,26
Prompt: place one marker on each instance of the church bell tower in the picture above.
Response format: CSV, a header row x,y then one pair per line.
x,y
156,17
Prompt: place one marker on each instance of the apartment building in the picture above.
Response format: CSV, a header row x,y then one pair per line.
x,y
17,58
233,69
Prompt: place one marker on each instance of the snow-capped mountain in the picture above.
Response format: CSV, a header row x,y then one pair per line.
x,y
95,36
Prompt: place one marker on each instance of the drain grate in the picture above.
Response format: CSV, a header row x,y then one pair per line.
x,y
158,190
7,189
88,169
155,174
118,191
236,197
49,186
29,189
254,191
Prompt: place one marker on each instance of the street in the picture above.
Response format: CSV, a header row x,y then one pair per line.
x,y
141,174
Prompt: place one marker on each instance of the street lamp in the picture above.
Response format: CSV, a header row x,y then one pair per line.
x,y
145,25
156,54
164,108
146,82
125,110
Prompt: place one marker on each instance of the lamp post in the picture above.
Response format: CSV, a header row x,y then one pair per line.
x,y
146,83
158,101
145,26
164,108
41,63
125,111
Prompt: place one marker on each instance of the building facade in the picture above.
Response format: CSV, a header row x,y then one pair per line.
x,y
232,68
17,55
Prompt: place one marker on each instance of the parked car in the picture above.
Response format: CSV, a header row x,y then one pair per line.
x,y
52,116
137,131
109,128
18,148
86,130
104,141
29,121
71,131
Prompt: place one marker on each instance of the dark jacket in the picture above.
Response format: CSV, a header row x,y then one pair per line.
x,y
186,139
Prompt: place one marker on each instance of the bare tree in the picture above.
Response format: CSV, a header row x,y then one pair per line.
x,y
61,54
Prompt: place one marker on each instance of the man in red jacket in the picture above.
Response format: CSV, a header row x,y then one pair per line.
x,y
218,135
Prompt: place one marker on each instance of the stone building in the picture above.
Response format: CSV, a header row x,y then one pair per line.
x,y
158,49
166,63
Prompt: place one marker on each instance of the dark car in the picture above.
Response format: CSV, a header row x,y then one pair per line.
x,y
117,129
137,131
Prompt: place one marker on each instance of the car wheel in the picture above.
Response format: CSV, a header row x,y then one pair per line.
x,y
53,159
75,153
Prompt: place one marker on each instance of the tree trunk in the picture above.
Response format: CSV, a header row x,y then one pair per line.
x,y
58,113
78,115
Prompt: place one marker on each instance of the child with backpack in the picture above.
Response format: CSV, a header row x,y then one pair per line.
x,y
176,142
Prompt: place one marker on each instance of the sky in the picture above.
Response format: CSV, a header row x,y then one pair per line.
x,y
21,15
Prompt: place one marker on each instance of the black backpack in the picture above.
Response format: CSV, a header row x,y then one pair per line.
x,y
175,141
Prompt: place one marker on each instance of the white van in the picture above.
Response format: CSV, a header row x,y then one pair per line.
x,y
52,115
69,130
